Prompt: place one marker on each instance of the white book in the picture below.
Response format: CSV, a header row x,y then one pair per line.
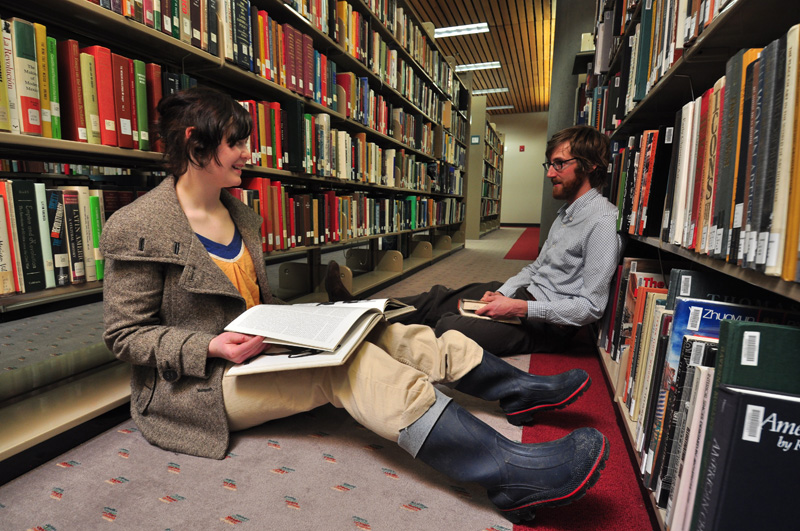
x,y
11,78
310,335
678,200
44,235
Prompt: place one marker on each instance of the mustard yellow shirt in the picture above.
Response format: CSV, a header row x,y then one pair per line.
x,y
235,261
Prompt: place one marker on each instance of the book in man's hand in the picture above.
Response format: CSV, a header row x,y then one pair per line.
x,y
310,335
467,307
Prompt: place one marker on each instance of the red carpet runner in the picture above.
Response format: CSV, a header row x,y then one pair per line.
x,y
526,247
615,502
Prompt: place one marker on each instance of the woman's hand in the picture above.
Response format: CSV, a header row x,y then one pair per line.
x,y
236,347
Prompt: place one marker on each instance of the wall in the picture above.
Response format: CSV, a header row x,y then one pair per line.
x,y
521,202
572,19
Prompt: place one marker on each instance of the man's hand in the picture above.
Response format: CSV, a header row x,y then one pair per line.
x,y
502,307
236,347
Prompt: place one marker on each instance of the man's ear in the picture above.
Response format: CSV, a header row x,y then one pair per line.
x,y
188,131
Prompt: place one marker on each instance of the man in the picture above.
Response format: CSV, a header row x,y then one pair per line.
x,y
566,287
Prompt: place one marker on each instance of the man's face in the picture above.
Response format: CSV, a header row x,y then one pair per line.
x,y
569,183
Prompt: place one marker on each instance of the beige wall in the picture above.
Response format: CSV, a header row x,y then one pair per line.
x,y
523,174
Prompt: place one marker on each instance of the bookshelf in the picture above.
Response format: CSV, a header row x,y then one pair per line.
x,y
666,87
486,172
412,102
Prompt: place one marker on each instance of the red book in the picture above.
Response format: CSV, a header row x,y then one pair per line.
x,y
308,65
699,163
333,215
277,214
262,184
5,202
288,57
154,93
275,117
73,118
105,94
123,98
250,107
347,81
267,140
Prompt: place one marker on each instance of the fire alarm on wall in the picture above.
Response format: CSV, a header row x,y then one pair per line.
x,y
521,148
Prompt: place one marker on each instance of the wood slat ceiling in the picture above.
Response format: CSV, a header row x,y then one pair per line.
x,y
520,37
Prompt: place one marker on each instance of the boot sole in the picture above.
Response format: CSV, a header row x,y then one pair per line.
x,y
527,512
519,418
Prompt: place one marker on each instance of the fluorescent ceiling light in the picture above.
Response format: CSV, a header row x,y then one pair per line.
x,y
451,31
478,66
499,107
489,91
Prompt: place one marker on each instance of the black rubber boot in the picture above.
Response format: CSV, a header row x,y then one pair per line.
x,y
522,395
519,478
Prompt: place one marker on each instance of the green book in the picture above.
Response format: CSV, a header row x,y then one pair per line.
x,y
97,230
755,355
140,83
55,100
5,111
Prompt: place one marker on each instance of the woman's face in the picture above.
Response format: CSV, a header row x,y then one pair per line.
x,y
228,171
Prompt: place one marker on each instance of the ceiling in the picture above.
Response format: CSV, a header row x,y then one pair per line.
x,y
520,37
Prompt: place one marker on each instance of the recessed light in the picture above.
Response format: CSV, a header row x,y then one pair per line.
x,y
467,29
478,66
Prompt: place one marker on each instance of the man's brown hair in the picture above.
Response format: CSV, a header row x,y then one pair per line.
x,y
589,146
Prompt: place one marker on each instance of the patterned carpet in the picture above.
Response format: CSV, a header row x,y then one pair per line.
x,y
314,471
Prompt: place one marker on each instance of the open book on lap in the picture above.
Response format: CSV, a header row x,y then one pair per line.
x,y
315,334
467,307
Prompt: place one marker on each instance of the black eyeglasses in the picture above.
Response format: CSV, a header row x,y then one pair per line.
x,y
557,164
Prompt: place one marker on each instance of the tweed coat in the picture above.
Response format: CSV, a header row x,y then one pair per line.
x,y
164,301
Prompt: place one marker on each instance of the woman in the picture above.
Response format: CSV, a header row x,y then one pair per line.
x,y
185,259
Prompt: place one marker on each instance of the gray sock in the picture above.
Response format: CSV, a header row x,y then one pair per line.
x,y
412,437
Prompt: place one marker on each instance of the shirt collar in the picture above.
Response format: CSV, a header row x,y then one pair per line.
x,y
568,211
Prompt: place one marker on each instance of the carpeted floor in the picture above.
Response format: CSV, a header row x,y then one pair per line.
x,y
526,247
321,470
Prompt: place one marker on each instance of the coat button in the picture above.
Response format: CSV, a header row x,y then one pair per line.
x,y
170,375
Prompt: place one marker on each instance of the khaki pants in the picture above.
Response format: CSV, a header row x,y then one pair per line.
x,y
386,385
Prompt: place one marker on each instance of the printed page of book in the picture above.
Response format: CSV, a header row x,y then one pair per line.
x,y
315,326
278,358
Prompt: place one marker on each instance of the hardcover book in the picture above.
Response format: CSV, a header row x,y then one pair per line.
x,y
26,76
752,459
105,93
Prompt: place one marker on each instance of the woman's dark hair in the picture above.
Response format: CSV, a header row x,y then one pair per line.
x,y
213,117
589,146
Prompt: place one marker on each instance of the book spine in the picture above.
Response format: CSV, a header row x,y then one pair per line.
x,y
74,235
57,236
26,225
55,95
27,77
95,207
71,86
142,118
90,107
44,79
44,235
